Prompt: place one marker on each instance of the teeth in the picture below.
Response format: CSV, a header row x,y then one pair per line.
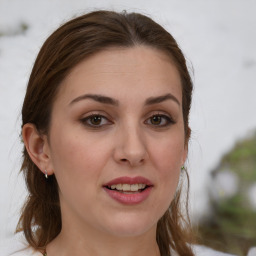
x,y
142,186
119,187
128,187
134,187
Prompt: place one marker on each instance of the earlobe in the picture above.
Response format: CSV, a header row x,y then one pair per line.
x,y
37,147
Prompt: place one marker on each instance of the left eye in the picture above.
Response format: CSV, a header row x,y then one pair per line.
x,y
95,121
159,120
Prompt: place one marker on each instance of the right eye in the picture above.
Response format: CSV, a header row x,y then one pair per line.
x,y
95,121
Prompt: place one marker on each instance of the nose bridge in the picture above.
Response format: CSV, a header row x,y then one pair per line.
x,y
131,147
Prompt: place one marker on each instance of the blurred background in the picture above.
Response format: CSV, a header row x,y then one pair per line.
x,y
218,39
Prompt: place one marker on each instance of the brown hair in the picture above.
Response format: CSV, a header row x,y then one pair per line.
x,y
62,51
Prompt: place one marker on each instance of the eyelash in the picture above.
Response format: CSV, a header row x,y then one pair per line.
x,y
168,120
88,121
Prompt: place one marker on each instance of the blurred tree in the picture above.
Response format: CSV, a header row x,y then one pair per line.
x,y
231,226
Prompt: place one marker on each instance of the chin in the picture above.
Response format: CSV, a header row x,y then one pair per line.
x,y
130,227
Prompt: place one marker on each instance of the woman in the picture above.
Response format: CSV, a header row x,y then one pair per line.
x,y
105,130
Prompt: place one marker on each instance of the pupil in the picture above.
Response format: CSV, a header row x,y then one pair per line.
x,y
156,120
96,120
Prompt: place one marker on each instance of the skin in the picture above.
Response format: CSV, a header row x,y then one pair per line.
x,y
127,141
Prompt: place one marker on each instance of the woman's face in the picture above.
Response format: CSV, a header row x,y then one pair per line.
x,y
116,141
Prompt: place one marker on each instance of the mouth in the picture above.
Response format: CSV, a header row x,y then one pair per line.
x,y
129,190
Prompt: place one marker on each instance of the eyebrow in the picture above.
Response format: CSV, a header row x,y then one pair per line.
x,y
159,99
96,97
114,102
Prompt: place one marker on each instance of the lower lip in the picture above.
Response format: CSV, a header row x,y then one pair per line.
x,y
129,199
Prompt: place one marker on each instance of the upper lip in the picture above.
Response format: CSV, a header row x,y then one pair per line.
x,y
129,180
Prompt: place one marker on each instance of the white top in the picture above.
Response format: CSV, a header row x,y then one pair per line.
x,y
17,246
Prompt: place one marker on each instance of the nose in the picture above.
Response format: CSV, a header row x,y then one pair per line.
x,y
130,147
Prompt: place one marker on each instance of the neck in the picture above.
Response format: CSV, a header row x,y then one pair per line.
x,y
100,245
78,240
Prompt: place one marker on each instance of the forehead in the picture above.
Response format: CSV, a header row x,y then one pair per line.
x,y
139,70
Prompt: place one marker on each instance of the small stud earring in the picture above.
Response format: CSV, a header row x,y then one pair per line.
x,y
182,167
45,174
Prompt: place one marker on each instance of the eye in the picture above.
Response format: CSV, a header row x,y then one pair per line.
x,y
95,121
159,120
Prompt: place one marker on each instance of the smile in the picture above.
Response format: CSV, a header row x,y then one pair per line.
x,y
129,190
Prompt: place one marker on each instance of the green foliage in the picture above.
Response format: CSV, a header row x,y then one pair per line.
x,y
242,159
232,224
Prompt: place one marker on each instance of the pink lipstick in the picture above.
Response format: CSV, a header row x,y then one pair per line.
x,y
129,190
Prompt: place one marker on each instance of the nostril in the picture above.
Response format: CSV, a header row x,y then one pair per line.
x,y
133,163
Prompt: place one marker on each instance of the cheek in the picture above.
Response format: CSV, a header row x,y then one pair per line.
x,y
168,159
78,164
168,155
77,158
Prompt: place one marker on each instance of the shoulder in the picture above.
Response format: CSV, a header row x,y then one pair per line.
x,y
252,252
16,246
202,251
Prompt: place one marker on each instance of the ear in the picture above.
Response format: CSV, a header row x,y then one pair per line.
x,y
185,154
37,147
